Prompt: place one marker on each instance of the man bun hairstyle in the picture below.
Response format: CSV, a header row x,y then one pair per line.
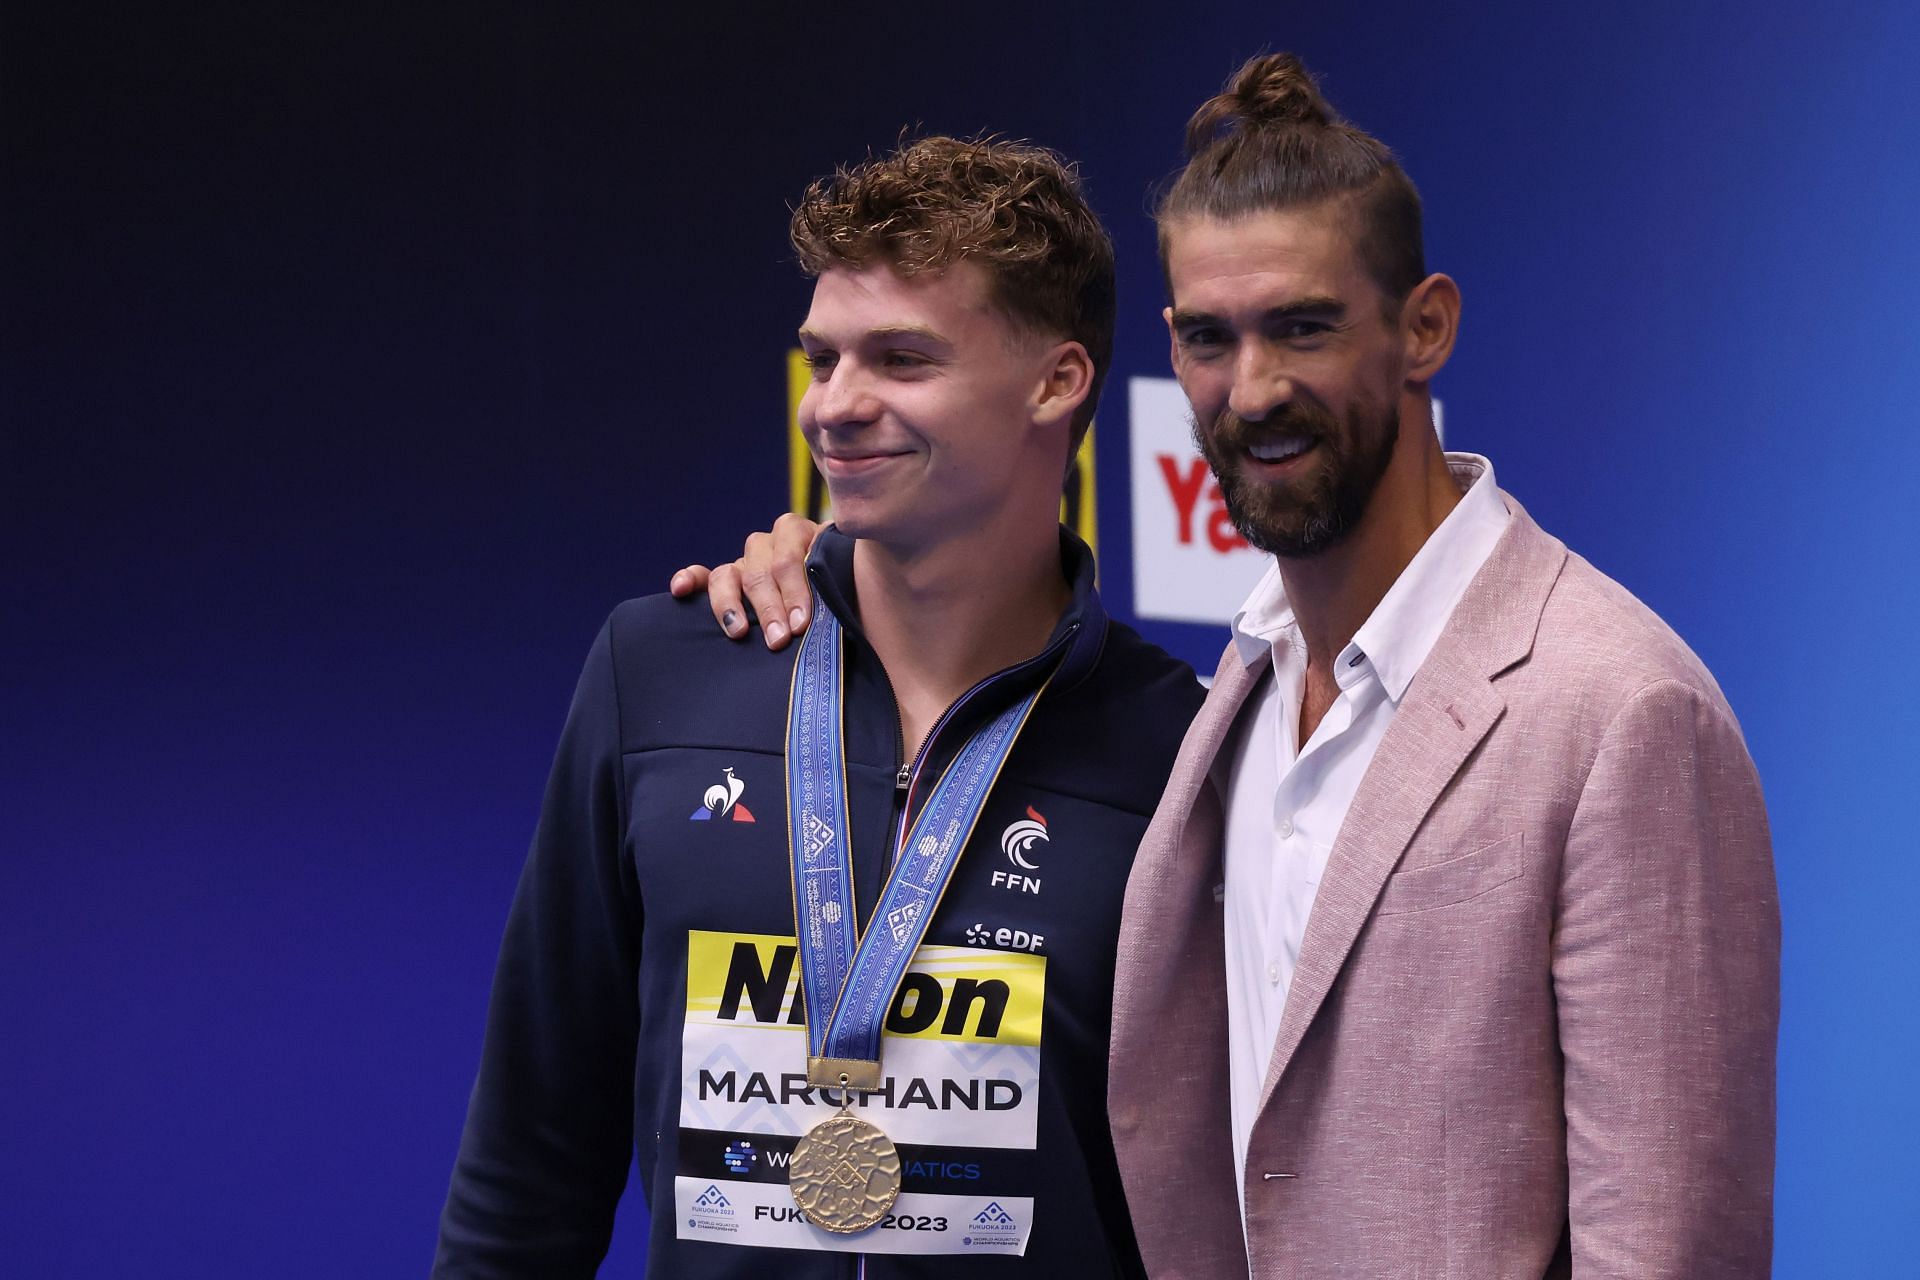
x,y
1275,88
1269,140
1016,209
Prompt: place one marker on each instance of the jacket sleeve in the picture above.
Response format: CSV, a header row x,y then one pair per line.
x,y
549,1131
1666,974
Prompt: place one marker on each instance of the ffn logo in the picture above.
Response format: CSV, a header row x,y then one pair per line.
x,y
1020,842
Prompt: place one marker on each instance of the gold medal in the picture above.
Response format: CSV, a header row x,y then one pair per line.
x,y
845,1174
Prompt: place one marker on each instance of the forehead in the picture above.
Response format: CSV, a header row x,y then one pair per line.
x,y
1262,259
953,301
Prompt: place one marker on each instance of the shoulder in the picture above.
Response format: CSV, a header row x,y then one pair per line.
x,y
1114,735
1603,667
1596,630
659,630
661,619
1143,679
677,680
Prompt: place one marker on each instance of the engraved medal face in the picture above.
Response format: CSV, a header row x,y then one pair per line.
x,y
845,1174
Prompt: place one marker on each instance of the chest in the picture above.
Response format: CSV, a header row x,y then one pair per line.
x,y
1042,874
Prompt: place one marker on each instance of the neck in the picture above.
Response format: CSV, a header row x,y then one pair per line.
x,y
1335,591
943,620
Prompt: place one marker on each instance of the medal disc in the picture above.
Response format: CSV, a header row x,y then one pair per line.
x,y
845,1174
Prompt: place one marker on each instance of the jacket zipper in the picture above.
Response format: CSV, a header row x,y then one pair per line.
x,y
903,781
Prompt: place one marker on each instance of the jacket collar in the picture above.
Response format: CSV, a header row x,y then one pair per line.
x,y
1083,626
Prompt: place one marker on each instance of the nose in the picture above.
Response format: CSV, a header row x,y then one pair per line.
x,y
1260,382
844,398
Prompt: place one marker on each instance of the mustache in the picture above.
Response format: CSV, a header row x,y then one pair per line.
x,y
1295,419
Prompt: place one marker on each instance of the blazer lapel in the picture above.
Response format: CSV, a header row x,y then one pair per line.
x,y
1171,964
1232,683
1167,1099
1450,706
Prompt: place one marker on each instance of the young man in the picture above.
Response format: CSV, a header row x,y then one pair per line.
x,y
1459,905
829,934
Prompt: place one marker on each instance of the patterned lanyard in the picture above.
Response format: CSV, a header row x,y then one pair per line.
x,y
849,983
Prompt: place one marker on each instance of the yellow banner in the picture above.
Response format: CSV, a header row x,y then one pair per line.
x,y
963,994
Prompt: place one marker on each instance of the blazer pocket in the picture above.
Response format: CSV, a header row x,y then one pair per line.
x,y
1456,880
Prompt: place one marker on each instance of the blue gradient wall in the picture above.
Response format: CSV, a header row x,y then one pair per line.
x,y
354,366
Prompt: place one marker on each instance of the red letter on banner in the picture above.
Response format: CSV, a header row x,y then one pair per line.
x,y
1184,490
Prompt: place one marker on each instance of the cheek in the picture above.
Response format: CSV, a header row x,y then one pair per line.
x,y
1205,387
1341,387
1386,375
807,411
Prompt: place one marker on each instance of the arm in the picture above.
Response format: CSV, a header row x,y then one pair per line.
x,y
1667,979
771,575
549,1132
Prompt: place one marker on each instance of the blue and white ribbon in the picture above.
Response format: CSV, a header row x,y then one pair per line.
x,y
848,985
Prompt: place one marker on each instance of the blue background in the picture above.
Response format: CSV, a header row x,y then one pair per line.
x,y
356,362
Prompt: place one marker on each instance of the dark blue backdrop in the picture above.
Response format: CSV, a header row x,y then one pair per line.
x,y
356,362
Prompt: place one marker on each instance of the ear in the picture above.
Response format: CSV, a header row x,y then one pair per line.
x,y
1065,382
1173,340
1429,322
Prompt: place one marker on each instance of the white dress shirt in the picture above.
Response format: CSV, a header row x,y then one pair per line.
x,y
1285,801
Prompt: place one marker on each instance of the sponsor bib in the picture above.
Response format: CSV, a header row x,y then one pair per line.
x,y
959,1096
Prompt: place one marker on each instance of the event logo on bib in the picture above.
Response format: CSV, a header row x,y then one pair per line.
x,y
723,800
710,1212
991,1226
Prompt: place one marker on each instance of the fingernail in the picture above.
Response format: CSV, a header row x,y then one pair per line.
x,y
798,617
730,622
677,579
775,633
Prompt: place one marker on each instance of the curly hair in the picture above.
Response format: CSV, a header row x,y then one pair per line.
x,y
1269,140
1014,208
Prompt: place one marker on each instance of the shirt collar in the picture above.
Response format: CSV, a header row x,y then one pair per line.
x,y
1403,628
1264,618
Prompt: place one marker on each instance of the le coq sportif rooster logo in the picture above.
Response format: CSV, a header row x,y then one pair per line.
x,y
723,801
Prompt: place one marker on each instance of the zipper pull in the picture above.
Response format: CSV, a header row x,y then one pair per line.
x,y
901,779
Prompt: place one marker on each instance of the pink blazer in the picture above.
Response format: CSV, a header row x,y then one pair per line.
x,y
1532,1028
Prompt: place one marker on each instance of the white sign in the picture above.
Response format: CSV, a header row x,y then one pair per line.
x,y
1189,563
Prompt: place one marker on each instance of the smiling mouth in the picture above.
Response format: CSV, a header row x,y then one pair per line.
x,y
854,463
1281,449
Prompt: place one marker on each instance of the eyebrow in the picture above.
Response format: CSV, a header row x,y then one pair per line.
x,y
1318,305
887,333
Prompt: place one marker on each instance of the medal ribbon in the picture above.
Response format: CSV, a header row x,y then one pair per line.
x,y
848,984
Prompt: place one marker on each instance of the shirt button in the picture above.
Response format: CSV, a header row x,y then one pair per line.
x,y
1273,973
1285,829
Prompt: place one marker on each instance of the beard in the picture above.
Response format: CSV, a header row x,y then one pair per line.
x,y
1303,517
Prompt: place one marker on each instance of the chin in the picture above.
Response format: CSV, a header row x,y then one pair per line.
x,y
863,520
